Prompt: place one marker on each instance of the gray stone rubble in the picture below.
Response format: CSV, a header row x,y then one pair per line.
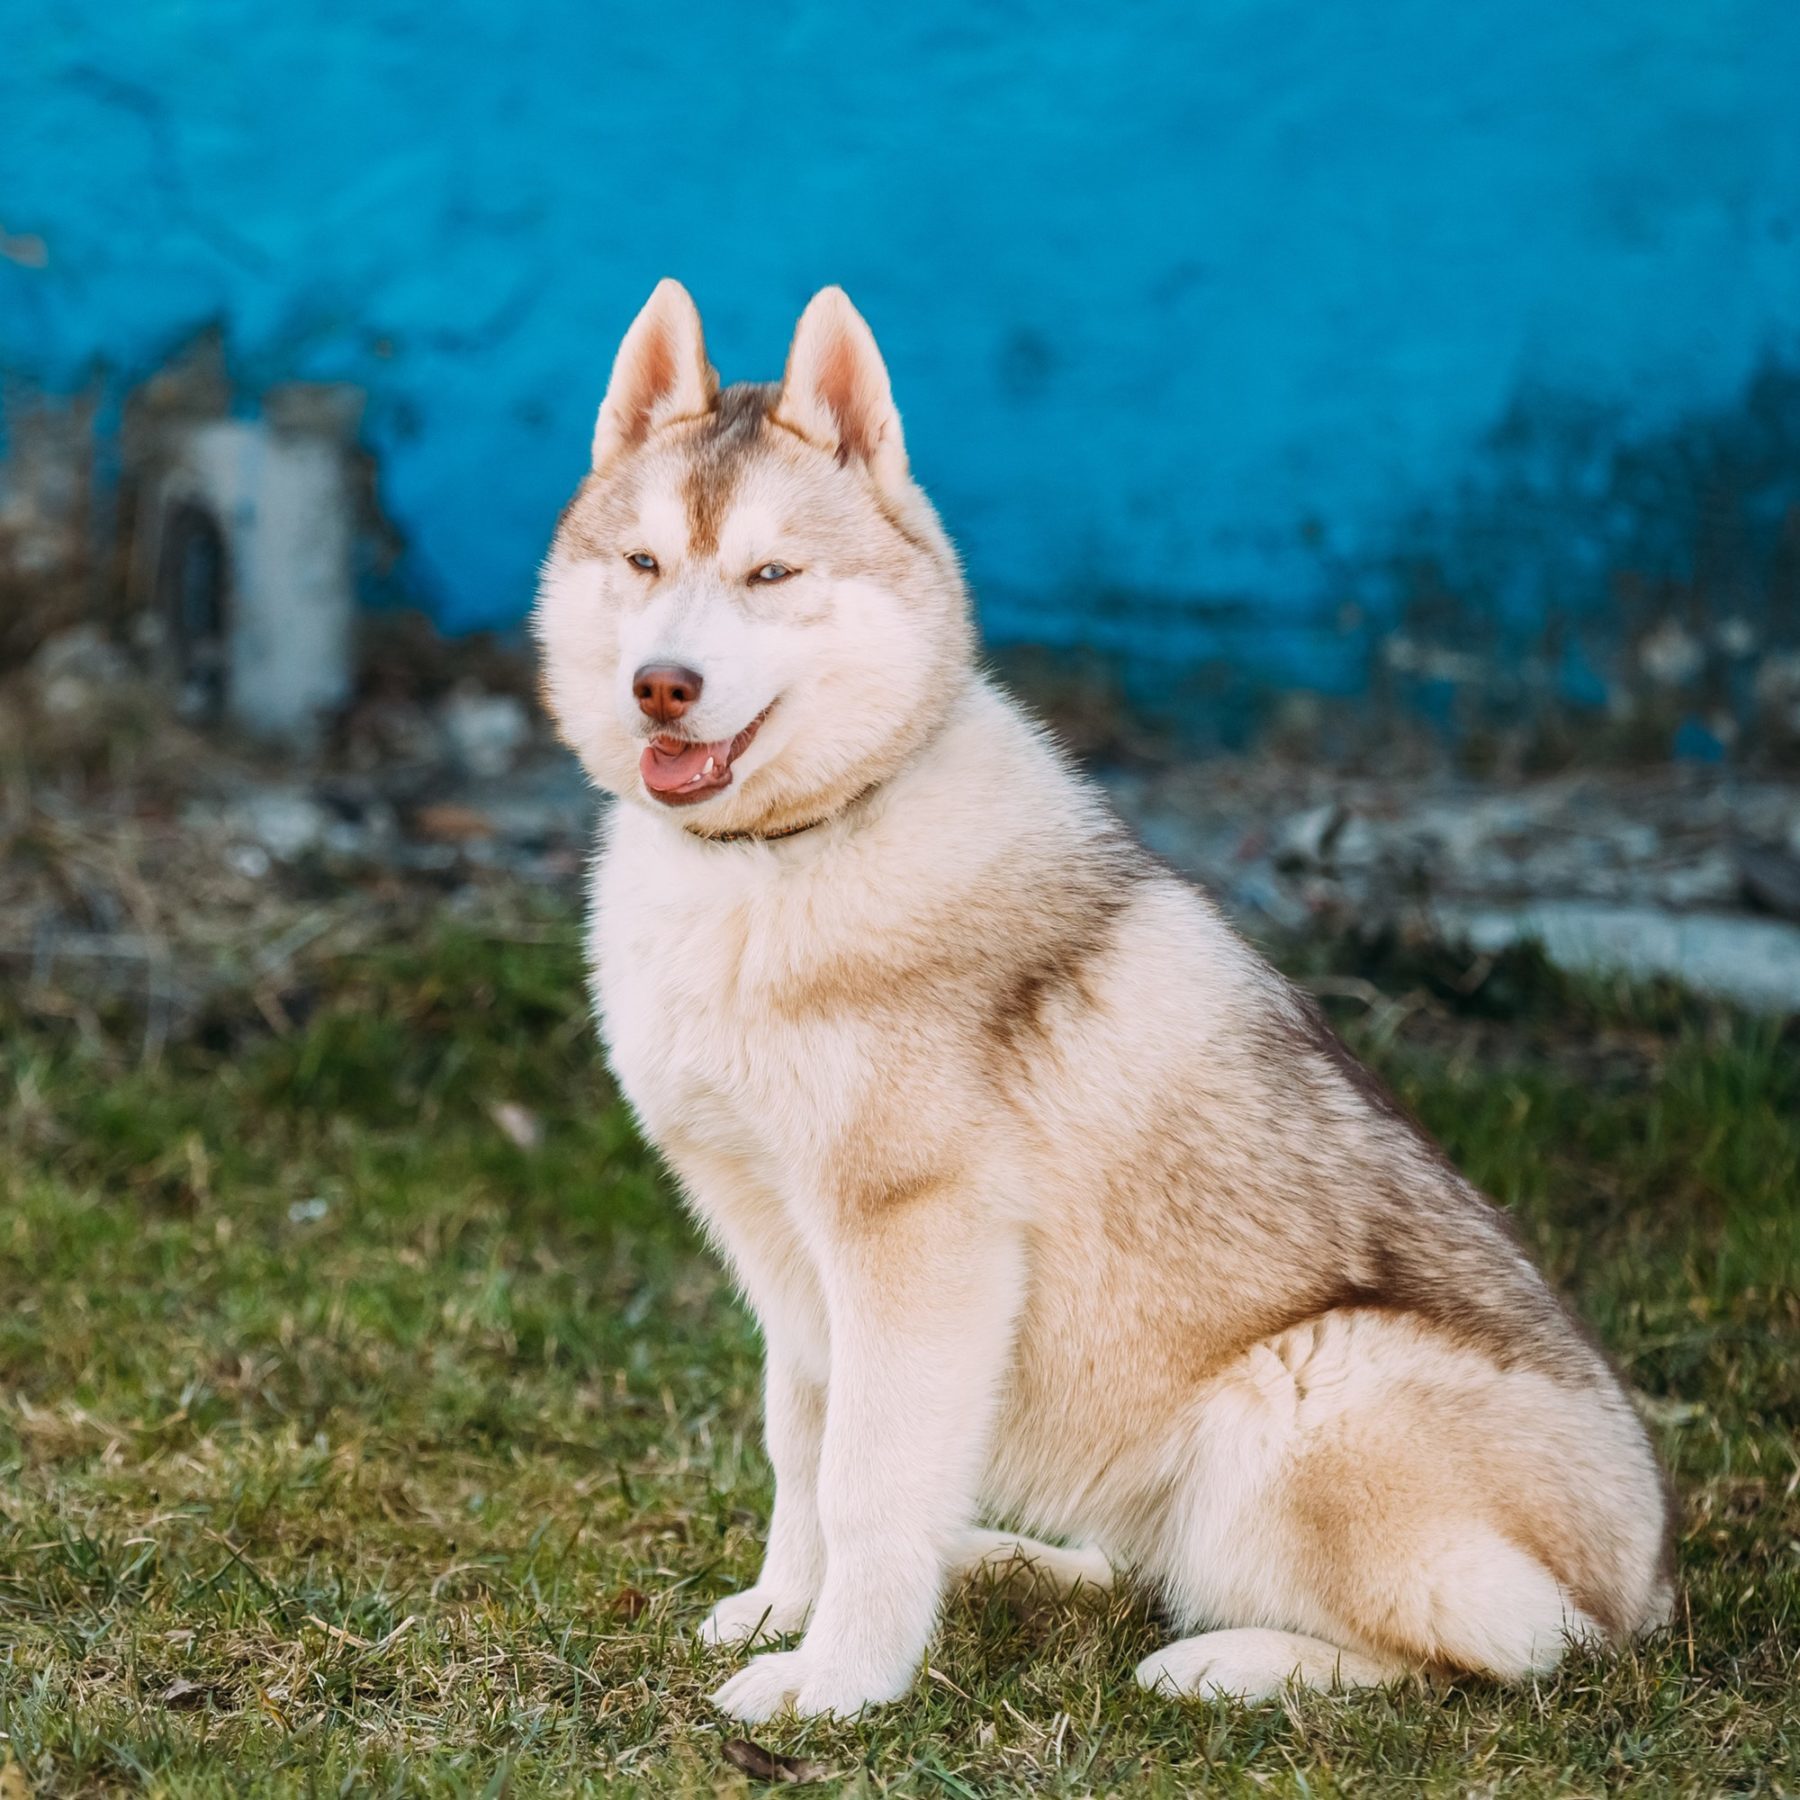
x,y
1684,871
1690,872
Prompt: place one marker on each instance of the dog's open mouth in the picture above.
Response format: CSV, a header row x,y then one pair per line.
x,y
678,772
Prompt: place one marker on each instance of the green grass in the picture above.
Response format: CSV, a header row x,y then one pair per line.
x,y
346,1447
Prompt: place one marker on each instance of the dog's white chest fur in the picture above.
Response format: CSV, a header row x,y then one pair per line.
x,y
668,989
690,979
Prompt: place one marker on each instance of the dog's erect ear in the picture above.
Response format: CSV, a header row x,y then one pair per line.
x,y
660,374
835,392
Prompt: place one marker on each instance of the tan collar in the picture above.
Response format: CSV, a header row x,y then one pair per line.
x,y
787,831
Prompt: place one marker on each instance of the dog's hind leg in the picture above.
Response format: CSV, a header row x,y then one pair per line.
x,y
1482,1604
1002,1554
1380,1494
1253,1664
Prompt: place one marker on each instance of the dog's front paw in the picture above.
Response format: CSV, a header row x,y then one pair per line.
x,y
806,1685
843,1693
764,1687
754,1616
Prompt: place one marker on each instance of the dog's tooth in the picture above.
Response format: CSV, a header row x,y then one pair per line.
x,y
708,769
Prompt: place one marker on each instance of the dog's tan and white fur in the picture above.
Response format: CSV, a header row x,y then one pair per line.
x,y
1057,1206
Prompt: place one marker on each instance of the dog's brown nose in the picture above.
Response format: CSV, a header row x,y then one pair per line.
x,y
665,691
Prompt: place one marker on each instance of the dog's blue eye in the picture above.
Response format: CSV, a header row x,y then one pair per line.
x,y
772,572
642,559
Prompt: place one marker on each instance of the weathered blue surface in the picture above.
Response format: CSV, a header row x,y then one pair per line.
x,y
1199,311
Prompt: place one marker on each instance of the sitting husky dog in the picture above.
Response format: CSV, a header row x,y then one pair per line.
x,y
1056,1205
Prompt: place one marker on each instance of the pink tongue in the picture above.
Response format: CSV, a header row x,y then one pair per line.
x,y
666,771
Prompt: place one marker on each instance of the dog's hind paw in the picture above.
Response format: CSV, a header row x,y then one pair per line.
x,y
1250,1665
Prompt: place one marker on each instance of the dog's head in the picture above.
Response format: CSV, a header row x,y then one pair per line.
x,y
750,611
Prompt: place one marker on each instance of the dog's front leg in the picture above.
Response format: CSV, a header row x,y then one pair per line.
x,y
793,1430
921,1295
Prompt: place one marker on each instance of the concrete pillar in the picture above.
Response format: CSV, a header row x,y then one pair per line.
x,y
279,490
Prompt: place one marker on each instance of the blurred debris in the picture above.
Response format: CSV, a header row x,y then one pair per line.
x,y
519,1125
156,874
153,874
772,1765
183,1695
1325,837
48,563
77,672
486,732
1771,877
629,1604
1648,872
446,822
285,822
1755,962
214,774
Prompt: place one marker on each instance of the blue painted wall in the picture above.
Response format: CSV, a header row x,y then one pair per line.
x,y
1196,309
